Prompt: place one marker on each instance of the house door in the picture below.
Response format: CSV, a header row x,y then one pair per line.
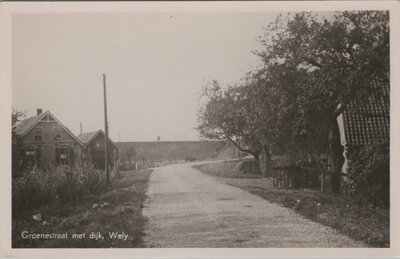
x,y
47,156
98,159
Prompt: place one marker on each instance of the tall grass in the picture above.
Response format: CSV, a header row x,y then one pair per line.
x,y
61,185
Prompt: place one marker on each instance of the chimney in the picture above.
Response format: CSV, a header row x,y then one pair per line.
x,y
39,111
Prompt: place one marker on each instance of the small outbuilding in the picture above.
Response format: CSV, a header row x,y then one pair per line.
x,y
94,148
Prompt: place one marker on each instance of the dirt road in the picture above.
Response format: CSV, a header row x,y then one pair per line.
x,y
187,208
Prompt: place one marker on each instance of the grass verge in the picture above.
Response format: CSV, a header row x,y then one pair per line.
x,y
117,210
360,222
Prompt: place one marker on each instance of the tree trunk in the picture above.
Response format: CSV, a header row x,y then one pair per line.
x,y
257,166
268,162
336,158
255,154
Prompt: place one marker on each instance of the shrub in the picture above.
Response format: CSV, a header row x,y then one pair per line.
x,y
92,180
369,173
190,158
37,187
34,187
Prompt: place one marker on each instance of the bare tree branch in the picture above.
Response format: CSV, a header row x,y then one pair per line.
x,y
239,147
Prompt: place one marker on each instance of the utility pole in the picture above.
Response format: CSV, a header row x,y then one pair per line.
x,y
105,130
81,127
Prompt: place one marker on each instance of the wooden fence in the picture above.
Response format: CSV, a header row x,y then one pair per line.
x,y
286,177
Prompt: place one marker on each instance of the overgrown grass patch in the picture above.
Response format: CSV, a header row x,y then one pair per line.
x,y
361,222
116,209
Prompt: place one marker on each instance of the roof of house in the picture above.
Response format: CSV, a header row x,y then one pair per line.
x,y
29,123
87,137
25,125
368,123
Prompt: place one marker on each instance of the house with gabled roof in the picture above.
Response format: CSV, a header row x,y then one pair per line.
x,y
94,148
42,140
366,123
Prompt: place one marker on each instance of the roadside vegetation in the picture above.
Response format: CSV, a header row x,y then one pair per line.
x,y
351,217
313,69
78,201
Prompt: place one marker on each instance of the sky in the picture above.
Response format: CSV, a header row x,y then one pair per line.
x,y
155,63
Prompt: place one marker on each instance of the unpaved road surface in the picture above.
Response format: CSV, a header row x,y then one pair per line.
x,y
187,208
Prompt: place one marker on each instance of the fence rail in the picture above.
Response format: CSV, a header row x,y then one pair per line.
x,y
285,177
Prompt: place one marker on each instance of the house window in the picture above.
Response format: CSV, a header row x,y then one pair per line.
x,y
64,156
37,135
30,153
32,157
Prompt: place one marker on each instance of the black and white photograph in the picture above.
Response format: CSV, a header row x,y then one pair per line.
x,y
201,128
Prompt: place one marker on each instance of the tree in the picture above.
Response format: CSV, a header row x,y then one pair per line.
x,y
227,115
274,116
16,116
259,99
344,60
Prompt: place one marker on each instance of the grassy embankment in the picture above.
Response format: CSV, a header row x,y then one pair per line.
x,y
160,153
360,222
117,209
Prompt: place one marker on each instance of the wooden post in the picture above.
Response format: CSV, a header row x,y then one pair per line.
x,y
322,181
105,131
